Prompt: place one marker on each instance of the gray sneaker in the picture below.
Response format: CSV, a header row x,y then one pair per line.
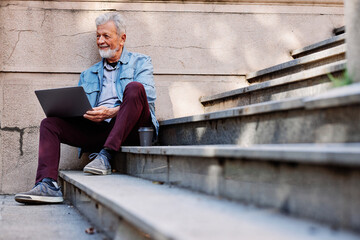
x,y
99,165
45,191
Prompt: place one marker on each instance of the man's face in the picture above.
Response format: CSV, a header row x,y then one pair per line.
x,y
110,44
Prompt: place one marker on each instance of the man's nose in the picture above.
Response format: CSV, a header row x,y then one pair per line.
x,y
101,39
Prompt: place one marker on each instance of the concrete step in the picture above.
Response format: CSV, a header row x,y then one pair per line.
x,y
326,44
300,64
132,208
315,181
332,116
305,83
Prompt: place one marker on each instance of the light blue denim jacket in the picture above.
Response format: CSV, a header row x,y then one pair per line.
x,y
134,67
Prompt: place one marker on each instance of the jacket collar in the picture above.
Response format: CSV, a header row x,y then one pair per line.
x,y
124,59
98,67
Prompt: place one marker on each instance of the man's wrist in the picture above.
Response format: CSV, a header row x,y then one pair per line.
x,y
114,111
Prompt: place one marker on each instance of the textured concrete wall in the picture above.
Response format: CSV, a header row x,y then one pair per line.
x,y
197,50
352,10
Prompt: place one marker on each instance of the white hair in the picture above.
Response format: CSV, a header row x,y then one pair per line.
x,y
116,17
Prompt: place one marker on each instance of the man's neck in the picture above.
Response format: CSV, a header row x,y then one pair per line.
x,y
112,64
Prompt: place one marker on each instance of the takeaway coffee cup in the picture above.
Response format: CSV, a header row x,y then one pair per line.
x,y
146,136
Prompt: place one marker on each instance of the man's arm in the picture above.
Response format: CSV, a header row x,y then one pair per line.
x,y
144,75
98,114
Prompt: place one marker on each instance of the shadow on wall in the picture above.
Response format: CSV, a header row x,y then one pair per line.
x,y
197,54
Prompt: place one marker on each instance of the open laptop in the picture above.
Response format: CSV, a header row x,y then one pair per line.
x,y
63,102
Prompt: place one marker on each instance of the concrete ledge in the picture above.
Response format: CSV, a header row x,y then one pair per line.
x,y
312,73
317,181
298,62
328,154
170,213
252,6
329,118
333,98
253,109
336,40
347,95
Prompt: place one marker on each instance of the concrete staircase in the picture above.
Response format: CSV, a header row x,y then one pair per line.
x,y
278,159
305,75
126,207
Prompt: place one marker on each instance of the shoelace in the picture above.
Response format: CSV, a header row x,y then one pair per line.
x,y
93,156
44,188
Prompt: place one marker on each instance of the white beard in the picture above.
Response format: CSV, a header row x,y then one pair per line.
x,y
107,53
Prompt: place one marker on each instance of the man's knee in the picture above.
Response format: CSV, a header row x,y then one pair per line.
x,y
49,122
134,89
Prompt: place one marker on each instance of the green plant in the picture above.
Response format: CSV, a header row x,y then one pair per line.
x,y
341,81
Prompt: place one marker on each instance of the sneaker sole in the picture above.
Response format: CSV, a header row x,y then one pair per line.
x,y
37,199
97,171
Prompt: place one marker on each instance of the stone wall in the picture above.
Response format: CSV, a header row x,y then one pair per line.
x,y
197,49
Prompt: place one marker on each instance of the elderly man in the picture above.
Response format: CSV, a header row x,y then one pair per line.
x,y
121,91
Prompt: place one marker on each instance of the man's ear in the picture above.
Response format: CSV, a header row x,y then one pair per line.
x,y
123,39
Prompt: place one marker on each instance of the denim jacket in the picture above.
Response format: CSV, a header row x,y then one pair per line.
x,y
133,67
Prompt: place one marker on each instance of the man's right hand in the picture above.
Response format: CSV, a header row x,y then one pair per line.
x,y
99,114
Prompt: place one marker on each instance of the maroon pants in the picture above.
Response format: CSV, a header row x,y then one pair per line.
x,y
80,132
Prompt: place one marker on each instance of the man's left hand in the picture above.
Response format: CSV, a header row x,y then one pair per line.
x,y
99,114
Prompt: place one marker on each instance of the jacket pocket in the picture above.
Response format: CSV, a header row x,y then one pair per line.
x,y
92,90
91,87
127,74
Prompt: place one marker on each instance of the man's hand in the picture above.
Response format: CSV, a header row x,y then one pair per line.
x,y
99,114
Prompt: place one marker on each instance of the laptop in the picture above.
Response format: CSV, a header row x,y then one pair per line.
x,y
63,102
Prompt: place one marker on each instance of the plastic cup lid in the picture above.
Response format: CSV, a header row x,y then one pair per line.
x,y
146,129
